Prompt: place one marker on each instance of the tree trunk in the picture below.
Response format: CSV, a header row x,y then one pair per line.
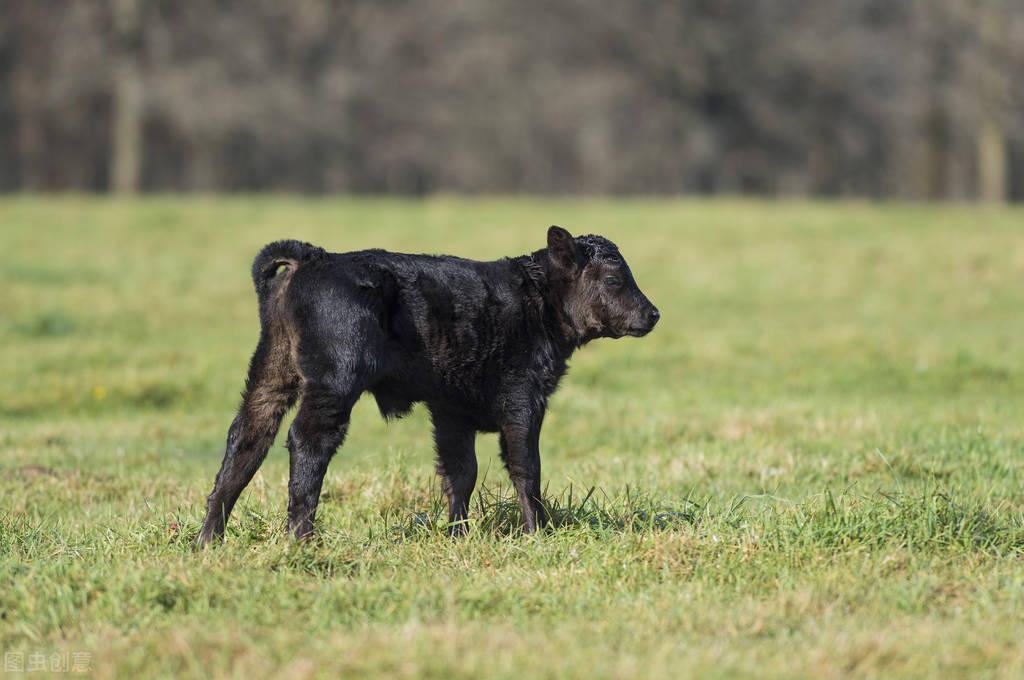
x,y
992,162
126,133
993,98
31,138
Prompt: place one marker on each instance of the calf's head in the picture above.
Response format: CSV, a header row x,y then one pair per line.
x,y
596,287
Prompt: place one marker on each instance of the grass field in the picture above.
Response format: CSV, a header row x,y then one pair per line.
x,y
813,467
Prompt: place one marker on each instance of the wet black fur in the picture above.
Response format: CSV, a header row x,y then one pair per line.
x,y
483,344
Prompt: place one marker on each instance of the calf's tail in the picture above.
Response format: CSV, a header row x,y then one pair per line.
x,y
275,264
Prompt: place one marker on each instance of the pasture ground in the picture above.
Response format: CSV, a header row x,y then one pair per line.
x,y
812,468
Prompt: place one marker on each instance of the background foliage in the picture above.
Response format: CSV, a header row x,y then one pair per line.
x,y
918,99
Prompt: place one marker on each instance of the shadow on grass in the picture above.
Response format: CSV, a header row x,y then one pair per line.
x,y
496,513
929,519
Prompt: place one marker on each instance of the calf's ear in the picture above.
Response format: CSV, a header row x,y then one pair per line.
x,y
562,250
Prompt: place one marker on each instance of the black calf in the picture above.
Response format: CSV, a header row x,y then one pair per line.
x,y
483,344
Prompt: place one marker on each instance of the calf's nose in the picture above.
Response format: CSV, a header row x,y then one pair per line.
x,y
652,316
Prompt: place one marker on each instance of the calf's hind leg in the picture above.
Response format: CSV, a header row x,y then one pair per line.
x,y
271,389
338,360
316,433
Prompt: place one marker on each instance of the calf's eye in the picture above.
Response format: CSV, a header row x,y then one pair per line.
x,y
612,281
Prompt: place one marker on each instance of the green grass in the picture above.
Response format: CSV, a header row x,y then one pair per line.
x,y
814,467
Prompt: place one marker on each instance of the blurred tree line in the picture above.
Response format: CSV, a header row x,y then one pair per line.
x,y
878,98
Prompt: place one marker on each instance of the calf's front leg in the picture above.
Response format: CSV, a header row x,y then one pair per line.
x,y
456,463
520,449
